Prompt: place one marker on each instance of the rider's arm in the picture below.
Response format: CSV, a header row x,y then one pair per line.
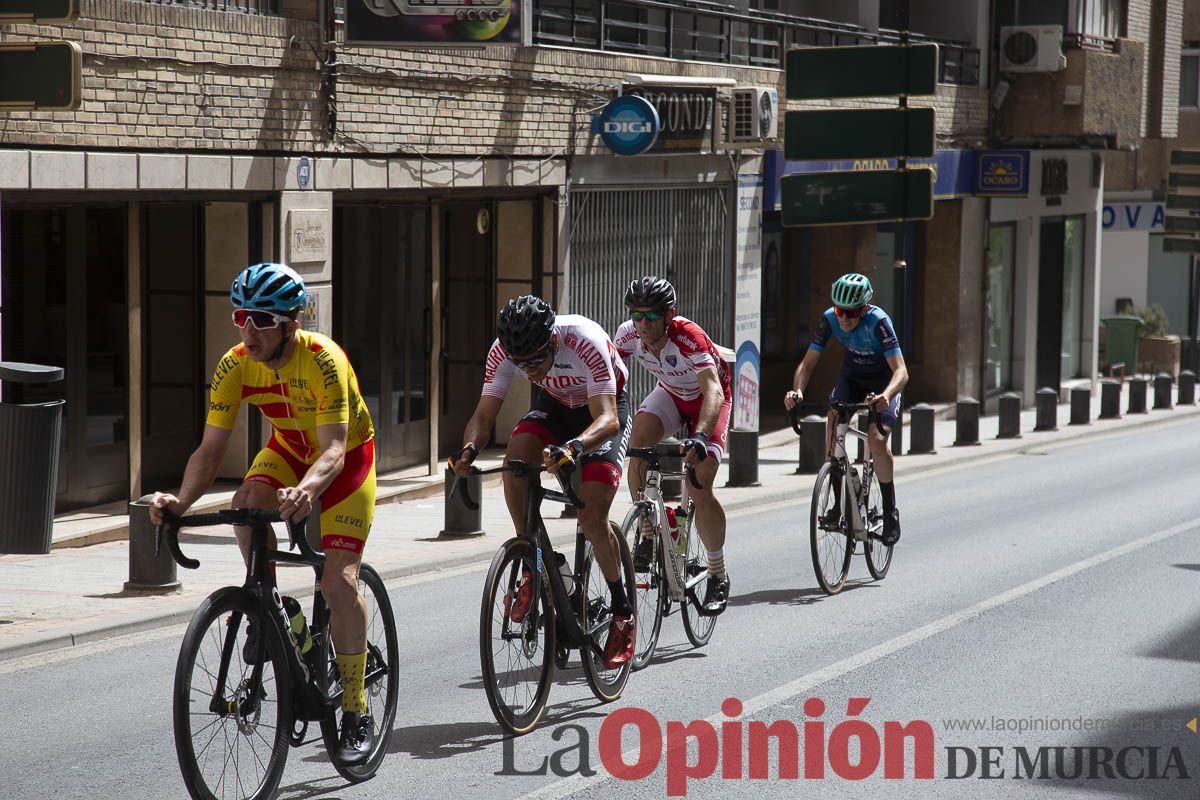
x,y
805,369
479,428
202,467
332,439
899,377
713,398
605,422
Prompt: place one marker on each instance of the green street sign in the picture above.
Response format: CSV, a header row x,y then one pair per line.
x,y
1181,224
29,11
850,198
858,133
889,70
1183,179
42,76
1184,201
1171,245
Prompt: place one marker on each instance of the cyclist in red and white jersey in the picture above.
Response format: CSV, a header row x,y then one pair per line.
x,y
581,415
694,388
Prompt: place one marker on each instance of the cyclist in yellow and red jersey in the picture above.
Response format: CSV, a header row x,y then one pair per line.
x,y
322,446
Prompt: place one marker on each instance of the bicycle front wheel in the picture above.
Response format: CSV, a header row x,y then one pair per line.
x,y
649,583
516,639
831,550
232,720
879,555
698,626
381,680
607,684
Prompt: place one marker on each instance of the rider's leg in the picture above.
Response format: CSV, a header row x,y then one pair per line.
x,y
525,447
597,498
347,623
255,494
710,516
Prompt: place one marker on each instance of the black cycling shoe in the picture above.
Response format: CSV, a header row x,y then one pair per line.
x,y
716,594
357,739
643,554
891,527
831,519
250,648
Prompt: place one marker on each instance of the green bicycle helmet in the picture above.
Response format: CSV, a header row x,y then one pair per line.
x,y
852,291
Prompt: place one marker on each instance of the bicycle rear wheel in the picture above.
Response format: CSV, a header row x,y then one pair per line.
x,y
651,588
879,555
607,684
698,626
381,680
232,730
831,550
516,639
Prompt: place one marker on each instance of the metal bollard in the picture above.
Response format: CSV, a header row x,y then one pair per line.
x,y
898,434
966,421
671,461
1081,405
812,444
1162,390
147,572
1110,398
460,520
1047,409
1010,416
743,458
1137,395
922,429
1187,388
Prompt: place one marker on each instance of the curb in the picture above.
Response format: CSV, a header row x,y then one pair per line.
x,y
34,644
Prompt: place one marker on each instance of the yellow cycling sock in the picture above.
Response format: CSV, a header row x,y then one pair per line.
x,y
352,669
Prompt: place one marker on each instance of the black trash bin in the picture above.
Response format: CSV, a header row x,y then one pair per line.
x,y
29,440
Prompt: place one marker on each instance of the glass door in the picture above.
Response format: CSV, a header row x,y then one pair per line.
x,y
998,325
383,286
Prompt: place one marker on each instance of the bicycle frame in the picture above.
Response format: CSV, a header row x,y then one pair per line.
x,y
652,499
839,462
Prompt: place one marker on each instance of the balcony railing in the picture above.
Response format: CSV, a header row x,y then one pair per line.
x,y
266,7
704,31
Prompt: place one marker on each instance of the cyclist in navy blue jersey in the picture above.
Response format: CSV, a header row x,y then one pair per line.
x,y
872,371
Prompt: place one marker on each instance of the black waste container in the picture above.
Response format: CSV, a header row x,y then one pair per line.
x,y
29,437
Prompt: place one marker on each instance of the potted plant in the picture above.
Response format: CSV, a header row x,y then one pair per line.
x,y
1158,351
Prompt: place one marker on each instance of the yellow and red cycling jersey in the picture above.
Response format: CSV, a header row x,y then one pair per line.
x,y
316,387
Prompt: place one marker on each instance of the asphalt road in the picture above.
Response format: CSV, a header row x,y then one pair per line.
x,y
1043,605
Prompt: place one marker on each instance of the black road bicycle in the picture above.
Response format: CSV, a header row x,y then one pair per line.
x,y
234,721
846,508
669,570
530,618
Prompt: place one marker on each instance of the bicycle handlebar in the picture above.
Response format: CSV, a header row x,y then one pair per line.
x,y
835,405
652,455
228,516
526,470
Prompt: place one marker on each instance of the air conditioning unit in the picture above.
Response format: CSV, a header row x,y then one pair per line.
x,y
1031,48
753,115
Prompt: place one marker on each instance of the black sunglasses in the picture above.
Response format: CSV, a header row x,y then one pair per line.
x,y
535,360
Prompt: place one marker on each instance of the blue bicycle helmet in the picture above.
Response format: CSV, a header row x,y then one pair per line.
x,y
852,291
269,287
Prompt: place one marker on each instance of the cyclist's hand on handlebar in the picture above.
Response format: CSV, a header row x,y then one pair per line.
x,y
294,502
695,448
557,457
462,464
792,399
878,402
163,501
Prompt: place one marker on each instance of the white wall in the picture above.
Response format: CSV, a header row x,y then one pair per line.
x,y
1123,269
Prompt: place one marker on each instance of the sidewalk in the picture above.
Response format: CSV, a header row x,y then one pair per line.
x,y
75,594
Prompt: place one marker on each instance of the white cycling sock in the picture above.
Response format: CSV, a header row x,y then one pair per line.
x,y
716,562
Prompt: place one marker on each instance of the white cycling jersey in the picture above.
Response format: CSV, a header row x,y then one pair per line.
x,y
586,365
687,351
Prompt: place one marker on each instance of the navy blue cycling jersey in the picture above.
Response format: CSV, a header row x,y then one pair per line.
x,y
868,347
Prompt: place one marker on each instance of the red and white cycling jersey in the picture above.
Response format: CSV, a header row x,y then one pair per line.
x,y
687,351
585,366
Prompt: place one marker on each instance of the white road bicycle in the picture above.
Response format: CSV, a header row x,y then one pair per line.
x,y
669,571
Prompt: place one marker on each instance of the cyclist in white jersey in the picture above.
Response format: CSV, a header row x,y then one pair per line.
x,y
580,415
694,389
